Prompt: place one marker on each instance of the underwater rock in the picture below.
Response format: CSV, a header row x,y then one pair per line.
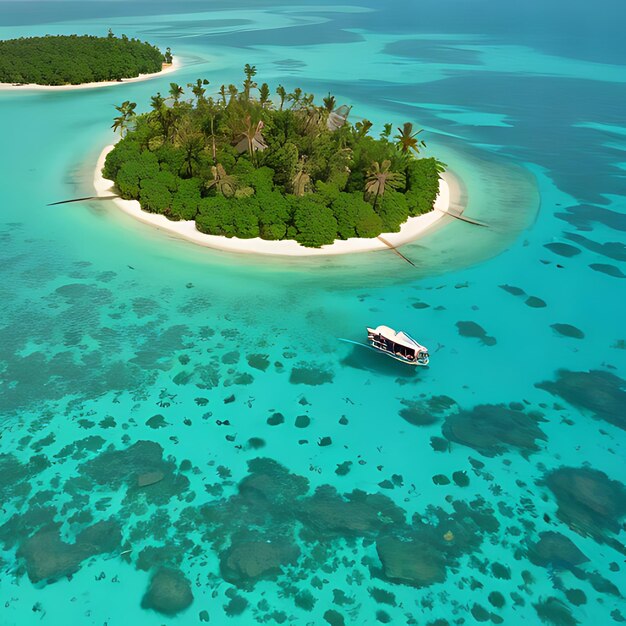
x,y
460,478
611,249
603,393
272,483
415,413
258,361
514,291
554,612
275,419
609,270
49,558
314,376
230,358
562,249
472,329
588,500
302,421
441,479
567,330
343,468
412,563
156,421
149,478
357,513
535,303
169,592
491,429
116,468
556,550
251,557
334,618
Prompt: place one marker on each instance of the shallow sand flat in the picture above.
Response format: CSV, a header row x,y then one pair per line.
x,y
412,229
167,69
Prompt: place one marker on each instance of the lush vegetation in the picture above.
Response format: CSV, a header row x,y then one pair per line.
x,y
74,59
243,166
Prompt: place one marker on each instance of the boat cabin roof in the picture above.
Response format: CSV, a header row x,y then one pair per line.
x,y
401,338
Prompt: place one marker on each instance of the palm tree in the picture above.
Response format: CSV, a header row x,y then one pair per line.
x,y
386,133
362,128
191,143
176,91
251,138
329,103
301,180
264,95
222,93
233,91
156,102
407,140
126,117
167,56
295,97
250,72
198,89
379,178
223,183
282,94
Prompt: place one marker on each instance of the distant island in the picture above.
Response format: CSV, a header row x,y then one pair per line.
x,y
243,166
56,60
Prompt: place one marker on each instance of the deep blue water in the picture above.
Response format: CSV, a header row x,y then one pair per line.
x,y
168,407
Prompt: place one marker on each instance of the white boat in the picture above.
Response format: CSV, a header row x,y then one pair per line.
x,y
397,345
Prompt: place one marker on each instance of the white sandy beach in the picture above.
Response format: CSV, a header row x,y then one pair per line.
x,y
413,228
167,69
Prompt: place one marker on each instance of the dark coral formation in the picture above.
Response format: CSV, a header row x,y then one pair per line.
x,y
49,558
562,249
423,412
252,557
307,375
131,467
602,393
410,562
169,592
327,513
567,330
555,550
589,501
554,612
492,429
472,329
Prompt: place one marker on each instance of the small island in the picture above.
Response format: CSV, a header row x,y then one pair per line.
x,y
76,60
240,165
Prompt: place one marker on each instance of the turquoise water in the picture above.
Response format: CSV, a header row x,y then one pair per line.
x,y
165,405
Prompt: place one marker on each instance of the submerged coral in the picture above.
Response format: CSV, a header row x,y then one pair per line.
x,y
589,501
492,429
602,393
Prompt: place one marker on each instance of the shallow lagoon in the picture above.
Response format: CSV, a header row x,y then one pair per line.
x,y
114,334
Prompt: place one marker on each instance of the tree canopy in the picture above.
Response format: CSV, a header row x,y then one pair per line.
x,y
244,166
77,59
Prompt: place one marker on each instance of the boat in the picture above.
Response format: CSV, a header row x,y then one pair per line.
x,y
398,345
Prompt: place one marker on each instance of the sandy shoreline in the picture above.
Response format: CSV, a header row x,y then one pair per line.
x,y
167,69
413,228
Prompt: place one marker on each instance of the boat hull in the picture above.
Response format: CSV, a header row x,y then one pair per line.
x,y
395,357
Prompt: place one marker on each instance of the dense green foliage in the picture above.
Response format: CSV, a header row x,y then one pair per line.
x,y
242,166
74,59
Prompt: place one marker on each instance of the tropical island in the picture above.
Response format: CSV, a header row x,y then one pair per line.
x,y
59,60
240,165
